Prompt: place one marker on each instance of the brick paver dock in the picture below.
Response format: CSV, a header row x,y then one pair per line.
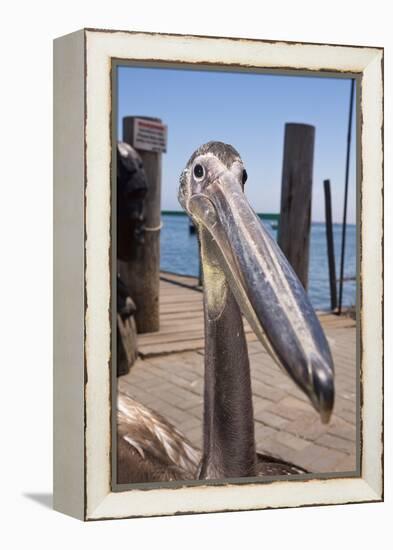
x,y
168,377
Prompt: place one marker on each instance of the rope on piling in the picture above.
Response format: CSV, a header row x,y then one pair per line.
x,y
157,228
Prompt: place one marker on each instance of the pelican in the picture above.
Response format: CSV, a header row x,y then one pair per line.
x,y
244,273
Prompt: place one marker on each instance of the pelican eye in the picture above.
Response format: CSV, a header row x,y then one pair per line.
x,y
244,177
199,171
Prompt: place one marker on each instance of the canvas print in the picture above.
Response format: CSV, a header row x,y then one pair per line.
x,y
234,276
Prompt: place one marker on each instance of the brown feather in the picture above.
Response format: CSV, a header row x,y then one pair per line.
x,y
149,447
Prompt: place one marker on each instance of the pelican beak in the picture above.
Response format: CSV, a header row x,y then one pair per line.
x,y
266,288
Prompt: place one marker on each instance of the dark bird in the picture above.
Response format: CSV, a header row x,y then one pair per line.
x,y
244,272
131,192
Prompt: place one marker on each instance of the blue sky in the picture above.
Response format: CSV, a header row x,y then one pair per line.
x,y
249,111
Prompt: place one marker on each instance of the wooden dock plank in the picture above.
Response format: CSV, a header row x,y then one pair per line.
x,y
182,324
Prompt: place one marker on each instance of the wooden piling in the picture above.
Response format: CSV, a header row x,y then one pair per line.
x,y
296,192
330,245
142,276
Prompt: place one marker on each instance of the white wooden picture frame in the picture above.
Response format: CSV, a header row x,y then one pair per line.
x,y
82,241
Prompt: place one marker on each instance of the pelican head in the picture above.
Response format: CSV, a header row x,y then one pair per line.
x,y
263,283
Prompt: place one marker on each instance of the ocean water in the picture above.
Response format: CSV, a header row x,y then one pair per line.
x,y
179,254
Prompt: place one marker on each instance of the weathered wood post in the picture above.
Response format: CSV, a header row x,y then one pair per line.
x,y
296,191
142,276
330,245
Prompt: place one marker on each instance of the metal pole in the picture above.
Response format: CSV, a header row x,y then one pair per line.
x,y
346,197
330,245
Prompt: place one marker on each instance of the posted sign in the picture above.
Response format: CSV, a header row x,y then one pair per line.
x,y
150,135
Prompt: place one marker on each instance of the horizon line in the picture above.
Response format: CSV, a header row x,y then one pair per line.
x,y
273,216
